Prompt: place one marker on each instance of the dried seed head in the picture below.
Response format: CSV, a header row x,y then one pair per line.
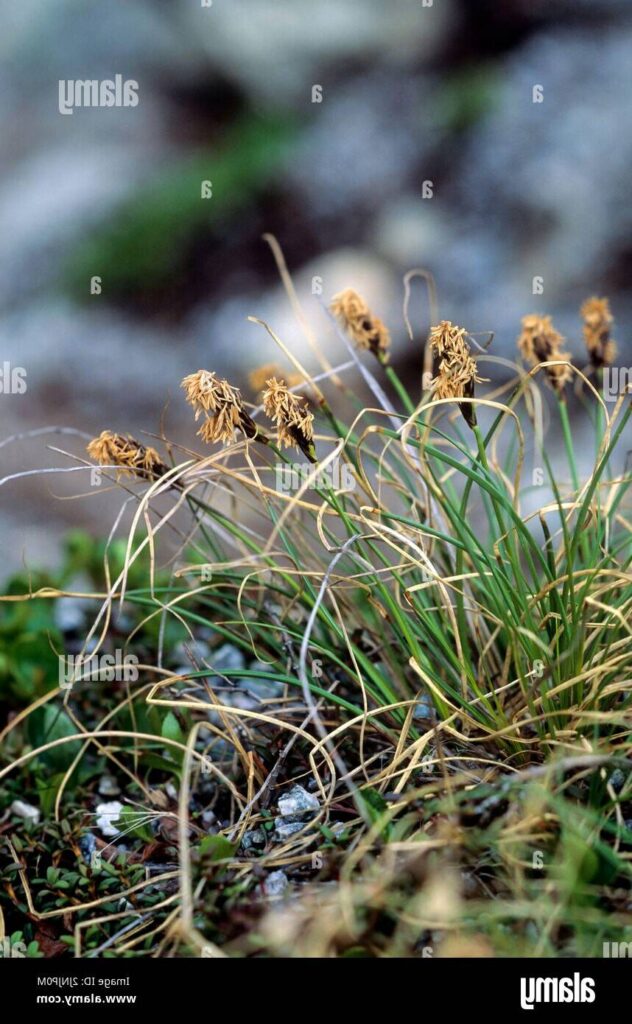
x,y
294,422
206,392
598,321
134,459
365,330
221,405
456,375
539,342
448,340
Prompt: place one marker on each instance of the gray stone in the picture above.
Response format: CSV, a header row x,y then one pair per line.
x,y
209,820
424,709
276,884
282,49
298,805
329,167
200,652
284,829
409,232
337,269
184,670
87,845
265,686
226,659
526,171
254,838
70,614
108,786
241,700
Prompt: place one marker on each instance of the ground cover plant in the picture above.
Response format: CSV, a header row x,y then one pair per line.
x,y
349,677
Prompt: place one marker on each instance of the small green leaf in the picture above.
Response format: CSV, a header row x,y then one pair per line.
x,y
377,807
133,822
217,848
171,728
50,723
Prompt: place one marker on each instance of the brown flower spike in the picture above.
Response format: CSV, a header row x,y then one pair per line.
x,y
294,422
539,342
456,376
598,321
365,330
222,407
134,459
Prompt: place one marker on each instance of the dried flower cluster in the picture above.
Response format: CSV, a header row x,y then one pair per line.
x,y
221,405
365,330
134,459
598,321
539,342
456,374
293,420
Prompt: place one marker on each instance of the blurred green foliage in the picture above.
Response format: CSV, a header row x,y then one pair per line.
x,y
467,95
146,241
30,640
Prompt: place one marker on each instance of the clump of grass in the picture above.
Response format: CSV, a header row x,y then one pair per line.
x,y
455,673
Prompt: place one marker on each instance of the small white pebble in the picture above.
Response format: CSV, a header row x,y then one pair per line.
x,y
108,786
106,815
24,810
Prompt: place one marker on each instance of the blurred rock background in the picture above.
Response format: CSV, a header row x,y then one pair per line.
x,y
410,94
